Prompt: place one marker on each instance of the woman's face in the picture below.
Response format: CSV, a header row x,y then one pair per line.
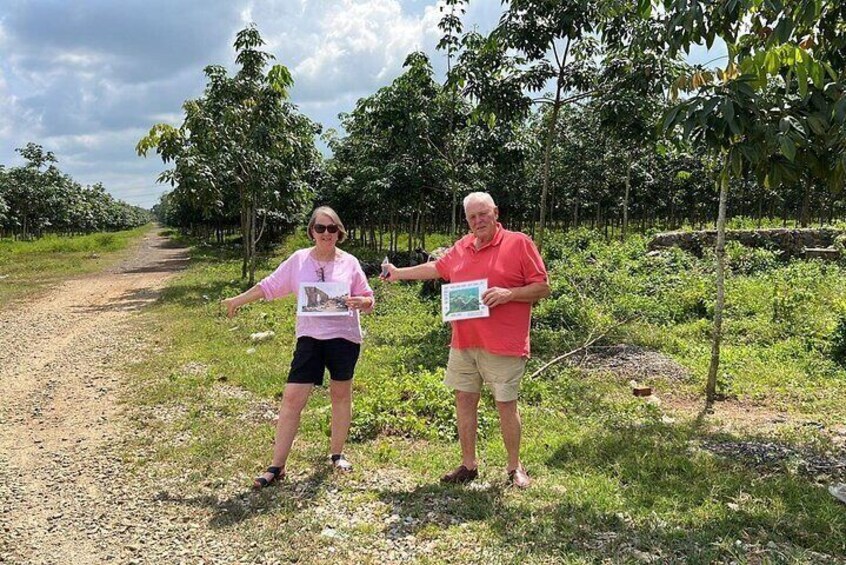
x,y
324,240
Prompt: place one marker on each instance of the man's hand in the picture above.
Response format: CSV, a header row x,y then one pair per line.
x,y
391,275
496,296
231,306
359,302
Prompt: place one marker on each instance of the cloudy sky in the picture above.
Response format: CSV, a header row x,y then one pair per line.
x,y
87,78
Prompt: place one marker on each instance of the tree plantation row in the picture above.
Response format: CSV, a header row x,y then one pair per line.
x,y
38,198
628,133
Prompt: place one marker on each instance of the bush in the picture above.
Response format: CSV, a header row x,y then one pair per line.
x,y
414,405
742,260
838,341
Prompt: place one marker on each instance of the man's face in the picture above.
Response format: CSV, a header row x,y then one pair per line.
x,y
481,217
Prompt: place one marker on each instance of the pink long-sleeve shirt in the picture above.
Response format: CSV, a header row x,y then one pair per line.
x,y
300,267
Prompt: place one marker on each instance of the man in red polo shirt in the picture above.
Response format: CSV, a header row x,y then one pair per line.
x,y
490,350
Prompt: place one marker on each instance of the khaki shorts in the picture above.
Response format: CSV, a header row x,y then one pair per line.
x,y
468,368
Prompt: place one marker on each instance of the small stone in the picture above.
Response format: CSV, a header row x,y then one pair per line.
x,y
262,336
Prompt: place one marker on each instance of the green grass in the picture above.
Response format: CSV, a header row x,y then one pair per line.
x,y
613,476
28,266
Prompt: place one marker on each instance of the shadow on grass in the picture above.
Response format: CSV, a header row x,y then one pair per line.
x,y
672,500
284,497
192,295
164,266
440,506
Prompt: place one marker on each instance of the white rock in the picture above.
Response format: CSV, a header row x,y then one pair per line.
x,y
262,336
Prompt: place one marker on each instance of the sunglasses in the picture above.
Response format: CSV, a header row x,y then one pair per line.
x,y
331,228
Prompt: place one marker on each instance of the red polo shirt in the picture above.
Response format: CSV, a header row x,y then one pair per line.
x,y
509,260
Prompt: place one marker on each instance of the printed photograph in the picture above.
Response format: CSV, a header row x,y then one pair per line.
x,y
323,299
461,301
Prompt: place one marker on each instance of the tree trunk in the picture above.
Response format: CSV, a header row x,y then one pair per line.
x,y
245,252
422,226
626,197
547,150
252,244
410,233
805,215
453,224
711,385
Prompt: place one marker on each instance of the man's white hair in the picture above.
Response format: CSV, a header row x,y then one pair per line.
x,y
478,197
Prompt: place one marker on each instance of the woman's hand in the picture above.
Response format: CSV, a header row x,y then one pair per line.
x,y
359,302
231,305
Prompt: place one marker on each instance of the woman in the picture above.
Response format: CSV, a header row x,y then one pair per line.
x,y
326,342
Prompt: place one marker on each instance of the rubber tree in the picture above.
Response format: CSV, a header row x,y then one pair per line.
x,y
633,83
243,138
799,45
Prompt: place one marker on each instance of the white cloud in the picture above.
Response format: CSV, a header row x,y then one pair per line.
x,y
87,79
357,45
80,59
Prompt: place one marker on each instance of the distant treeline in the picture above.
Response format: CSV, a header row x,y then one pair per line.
x,y
38,198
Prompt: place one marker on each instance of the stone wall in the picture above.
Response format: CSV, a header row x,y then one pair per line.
x,y
792,242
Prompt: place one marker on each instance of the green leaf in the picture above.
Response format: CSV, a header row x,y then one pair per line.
x,y
783,29
839,112
709,106
788,148
831,73
280,79
736,164
802,77
727,108
670,117
817,72
772,62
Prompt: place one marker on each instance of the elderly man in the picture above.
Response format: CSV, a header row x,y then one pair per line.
x,y
492,350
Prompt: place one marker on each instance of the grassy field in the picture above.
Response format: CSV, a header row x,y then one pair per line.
x,y
27,266
616,478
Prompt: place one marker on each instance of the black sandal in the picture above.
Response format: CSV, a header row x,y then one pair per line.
x,y
278,474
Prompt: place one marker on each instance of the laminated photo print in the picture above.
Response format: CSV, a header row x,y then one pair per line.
x,y
323,299
462,301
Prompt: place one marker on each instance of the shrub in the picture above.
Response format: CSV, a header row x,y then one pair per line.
x,y
742,260
838,341
414,405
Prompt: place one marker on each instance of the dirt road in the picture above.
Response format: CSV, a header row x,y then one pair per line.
x,y
61,495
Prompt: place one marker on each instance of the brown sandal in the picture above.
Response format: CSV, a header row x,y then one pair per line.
x,y
519,478
460,475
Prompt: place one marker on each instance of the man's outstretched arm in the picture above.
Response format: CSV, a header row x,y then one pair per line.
x,y
421,272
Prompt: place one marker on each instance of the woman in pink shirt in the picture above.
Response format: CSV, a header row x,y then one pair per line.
x,y
325,342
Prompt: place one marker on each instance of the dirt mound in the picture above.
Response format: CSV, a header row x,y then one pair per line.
x,y
632,362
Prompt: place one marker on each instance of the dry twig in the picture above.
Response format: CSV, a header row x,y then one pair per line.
x,y
588,342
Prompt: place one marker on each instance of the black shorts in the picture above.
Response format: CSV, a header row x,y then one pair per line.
x,y
313,356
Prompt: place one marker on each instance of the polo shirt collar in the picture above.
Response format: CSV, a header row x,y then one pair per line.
x,y
497,239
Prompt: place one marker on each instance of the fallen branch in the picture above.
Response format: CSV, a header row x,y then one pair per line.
x,y
590,341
